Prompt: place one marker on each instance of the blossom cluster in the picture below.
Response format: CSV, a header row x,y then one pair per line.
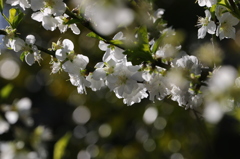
x,y
49,12
217,13
127,81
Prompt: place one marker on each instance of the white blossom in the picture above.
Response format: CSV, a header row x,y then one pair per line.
x,y
76,64
14,43
104,69
67,47
136,95
48,22
56,66
80,82
63,27
225,29
189,63
194,100
95,84
23,3
124,78
114,53
167,51
155,84
49,7
207,3
219,11
206,25
33,52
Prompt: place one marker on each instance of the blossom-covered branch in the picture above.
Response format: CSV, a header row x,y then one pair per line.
x,y
133,68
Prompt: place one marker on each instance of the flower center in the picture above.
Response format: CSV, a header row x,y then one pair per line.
x,y
224,26
109,70
49,3
71,56
122,79
202,21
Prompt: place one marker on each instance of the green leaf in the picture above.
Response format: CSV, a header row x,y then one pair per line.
x,y
1,6
138,55
23,54
213,8
60,146
15,17
143,38
94,35
12,13
116,42
71,21
157,43
140,51
18,19
222,2
6,90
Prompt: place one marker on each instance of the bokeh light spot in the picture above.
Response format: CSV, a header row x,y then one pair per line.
x,y
160,123
150,115
149,145
83,155
174,145
9,69
142,135
93,150
81,115
80,131
176,156
91,138
104,130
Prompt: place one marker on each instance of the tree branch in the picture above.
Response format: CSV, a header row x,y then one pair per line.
x,y
3,32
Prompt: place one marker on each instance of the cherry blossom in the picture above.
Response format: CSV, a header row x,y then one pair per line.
x,y
207,3
225,29
23,3
206,25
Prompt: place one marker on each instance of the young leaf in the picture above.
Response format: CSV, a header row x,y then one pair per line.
x,y
94,35
23,54
137,55
157,43
12,13
18,19
143,35
71,21
213,8
15,17
140,51
143,39
6,90
59,147
116,42
1,6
